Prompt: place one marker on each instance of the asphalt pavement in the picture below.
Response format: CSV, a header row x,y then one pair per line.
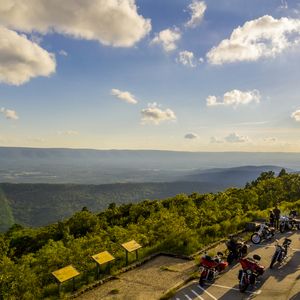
x,y
282,282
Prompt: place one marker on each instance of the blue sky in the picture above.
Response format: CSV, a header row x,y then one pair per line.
x,y
209,75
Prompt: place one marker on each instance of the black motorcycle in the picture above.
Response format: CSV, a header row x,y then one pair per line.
x,y
237,248
264,233
280,252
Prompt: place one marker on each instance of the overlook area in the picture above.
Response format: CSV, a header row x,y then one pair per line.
x,y
181,224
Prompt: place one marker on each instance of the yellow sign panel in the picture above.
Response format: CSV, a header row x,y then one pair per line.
x,y
65,273
131,246
103,257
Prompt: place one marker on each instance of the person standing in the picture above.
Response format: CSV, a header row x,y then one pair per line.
x,y
276,212
272,218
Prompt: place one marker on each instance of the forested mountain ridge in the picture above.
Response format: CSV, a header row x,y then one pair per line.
x,y
42,204
181,224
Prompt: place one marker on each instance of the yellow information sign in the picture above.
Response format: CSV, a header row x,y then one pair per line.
x,y
103,257
131,246
65,273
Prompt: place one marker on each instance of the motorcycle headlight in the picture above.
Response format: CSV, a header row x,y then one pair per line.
x,y
249,272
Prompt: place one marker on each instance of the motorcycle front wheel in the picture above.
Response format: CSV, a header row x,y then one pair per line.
x,y
202,277
255,238
273,260
243,285
282,228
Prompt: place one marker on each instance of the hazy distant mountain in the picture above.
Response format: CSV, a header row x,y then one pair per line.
x,y
40,204
33,165
237,176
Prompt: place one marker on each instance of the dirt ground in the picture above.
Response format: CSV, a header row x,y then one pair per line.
x,y
149,281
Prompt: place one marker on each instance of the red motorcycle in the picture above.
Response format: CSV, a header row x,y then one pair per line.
x,y
210,267
251,269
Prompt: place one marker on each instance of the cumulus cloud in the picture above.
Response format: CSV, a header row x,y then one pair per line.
x,y
234,98
124,96
114,22
191,136
262,37
153,114
197,10
186,58
296,115
9,114
235,138
167,39
22,59
215,140
68,132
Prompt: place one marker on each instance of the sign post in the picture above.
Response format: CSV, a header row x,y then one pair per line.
x,y
64,274
131,246
102,258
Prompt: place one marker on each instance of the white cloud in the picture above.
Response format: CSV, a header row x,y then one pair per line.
x,y
262,37
197,10
191,136
235,138
113,22
234,98
125,96
296,115
68,132
153,114
22,59
63,53
9,114
284,4
167,39
215,140
270,140
186,58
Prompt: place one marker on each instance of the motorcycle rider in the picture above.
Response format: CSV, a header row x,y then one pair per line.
x,y
277,213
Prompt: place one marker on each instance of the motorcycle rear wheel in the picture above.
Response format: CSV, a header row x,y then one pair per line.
x,y
255,238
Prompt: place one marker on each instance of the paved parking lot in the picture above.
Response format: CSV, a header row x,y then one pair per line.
x,y
279,283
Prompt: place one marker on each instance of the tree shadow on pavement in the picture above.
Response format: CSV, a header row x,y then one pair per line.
x,y
295,297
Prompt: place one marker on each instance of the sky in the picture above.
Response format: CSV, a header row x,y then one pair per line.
x,y
186,75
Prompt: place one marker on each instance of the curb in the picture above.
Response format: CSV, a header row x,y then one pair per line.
x,y
145,260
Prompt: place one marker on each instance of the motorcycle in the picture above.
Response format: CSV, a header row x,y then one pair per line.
x,y
264,232
237,248
288,223
210,267
281,252
251,269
